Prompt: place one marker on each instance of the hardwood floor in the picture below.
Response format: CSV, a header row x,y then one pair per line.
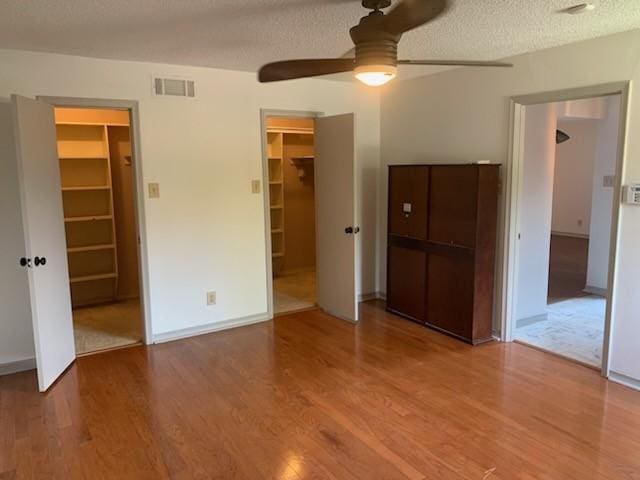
x,y
309,396
568,259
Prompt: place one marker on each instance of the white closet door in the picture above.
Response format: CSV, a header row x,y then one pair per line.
x,y
45,245
336,227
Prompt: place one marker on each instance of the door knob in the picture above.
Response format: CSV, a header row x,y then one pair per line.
x,y
348,230
356,229
40,261
25,262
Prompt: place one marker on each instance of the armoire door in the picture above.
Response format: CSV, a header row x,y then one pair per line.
x,y
336,228
408,201
45,245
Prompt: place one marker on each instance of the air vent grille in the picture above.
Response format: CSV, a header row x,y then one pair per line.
x,y
174,87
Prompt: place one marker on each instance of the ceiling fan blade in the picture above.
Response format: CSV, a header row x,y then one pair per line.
x,y
410,14
455,63
290,69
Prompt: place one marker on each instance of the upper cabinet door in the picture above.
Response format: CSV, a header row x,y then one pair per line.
x,y
453,204
45,245
336,228
408,201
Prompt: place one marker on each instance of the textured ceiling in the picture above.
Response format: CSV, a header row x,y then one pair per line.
x,y
244,34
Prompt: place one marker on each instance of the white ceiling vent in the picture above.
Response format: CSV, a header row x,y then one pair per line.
x,y
173,87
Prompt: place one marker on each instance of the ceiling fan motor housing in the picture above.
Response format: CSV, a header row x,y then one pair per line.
x,y
374,45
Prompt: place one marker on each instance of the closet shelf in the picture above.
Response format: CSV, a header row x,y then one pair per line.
x,y
86,188
91,248
277,230
276,207
89,278
276,182
300,131
83,157
88,218
277,254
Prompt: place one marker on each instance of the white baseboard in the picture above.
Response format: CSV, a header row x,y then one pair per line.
x,y
624,380
569,234
523,322
364,297
17,366
601,292
210,328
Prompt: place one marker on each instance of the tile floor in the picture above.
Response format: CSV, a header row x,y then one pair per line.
x,y
574,328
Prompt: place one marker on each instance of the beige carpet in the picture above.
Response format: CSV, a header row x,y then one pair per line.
x,y
294,291
107,326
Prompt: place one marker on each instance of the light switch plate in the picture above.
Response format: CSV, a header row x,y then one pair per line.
x,y
211,298
255,186
154,190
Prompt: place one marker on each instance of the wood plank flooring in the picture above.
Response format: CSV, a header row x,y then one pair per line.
x,y
312,397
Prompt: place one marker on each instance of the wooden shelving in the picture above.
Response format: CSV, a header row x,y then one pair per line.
x,y
90,278
87,193
92,248
275,155
89,218
86,188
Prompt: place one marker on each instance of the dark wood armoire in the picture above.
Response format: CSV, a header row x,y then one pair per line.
x,y
441,246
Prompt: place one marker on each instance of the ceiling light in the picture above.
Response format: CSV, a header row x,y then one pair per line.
x,y
581,8
375,75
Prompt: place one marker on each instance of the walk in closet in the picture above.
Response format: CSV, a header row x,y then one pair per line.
x,y
290,158
98,192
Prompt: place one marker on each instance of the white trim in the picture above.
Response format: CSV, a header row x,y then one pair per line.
x,y
210,328
134,132
514,179
17,366
264,113
624,380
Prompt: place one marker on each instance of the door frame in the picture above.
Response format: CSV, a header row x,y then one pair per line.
x,y
513,181
132,107
264,113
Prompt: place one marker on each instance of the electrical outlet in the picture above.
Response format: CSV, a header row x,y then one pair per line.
x,y
255,186
211,298
608,181
154,190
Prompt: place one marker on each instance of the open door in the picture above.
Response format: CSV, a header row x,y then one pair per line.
x,y
45,247
336,216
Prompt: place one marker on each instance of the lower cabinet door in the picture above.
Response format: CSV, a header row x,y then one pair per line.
x,y
406,282
450,293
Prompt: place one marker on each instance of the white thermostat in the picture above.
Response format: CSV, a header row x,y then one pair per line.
x,y
631,194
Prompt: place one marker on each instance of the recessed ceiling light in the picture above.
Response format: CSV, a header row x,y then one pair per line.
x,y
580,8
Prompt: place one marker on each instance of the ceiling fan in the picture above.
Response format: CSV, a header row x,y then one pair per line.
x,y
376,40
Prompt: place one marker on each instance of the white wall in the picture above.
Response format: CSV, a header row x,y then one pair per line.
x,y
206,231
16,333
602,197
535,210
573,177
463,114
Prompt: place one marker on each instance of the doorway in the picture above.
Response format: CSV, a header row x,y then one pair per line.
x,y
291,195
98,196
566,173
320,234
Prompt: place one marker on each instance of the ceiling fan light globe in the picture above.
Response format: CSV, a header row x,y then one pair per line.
x,y
375,75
